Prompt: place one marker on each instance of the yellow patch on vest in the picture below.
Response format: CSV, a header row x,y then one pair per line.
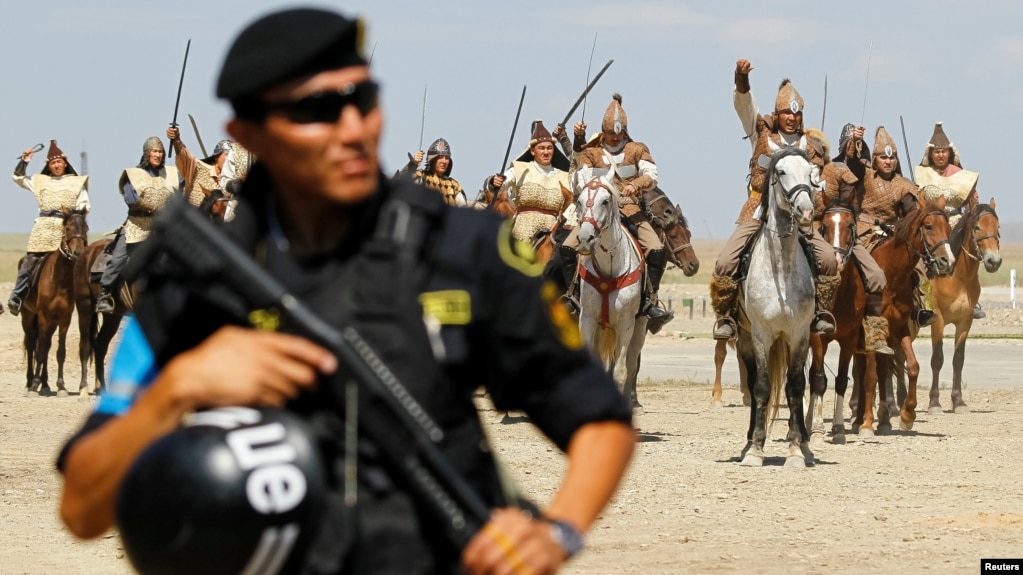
x,y
517,254
565,328
265,319
449,307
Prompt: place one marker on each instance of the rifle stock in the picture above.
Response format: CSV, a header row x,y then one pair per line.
x,y
395,422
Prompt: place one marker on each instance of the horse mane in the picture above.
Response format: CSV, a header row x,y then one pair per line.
x,y
776,157
839,202
212,198
909,224
965,224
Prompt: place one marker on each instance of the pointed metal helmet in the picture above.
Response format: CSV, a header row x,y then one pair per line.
x,y
439,148
615,121
788,98
884,145
939,139
540,134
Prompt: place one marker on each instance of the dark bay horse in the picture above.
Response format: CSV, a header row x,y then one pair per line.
x,y
838,228
95,332
975,239
921,234
49,305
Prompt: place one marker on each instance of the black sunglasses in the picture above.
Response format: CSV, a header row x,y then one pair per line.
x,y
326,106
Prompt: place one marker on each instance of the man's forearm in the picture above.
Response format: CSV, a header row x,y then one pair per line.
x,y
598,456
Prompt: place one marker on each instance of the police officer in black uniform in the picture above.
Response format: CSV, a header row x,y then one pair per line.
x,y
445,296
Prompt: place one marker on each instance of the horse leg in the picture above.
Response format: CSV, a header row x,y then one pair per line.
x,y
908,414
868,388
799,454
747,399
720,353
86,333
818,385
885,400
937,360
757,435
101,345
856,397
43,344
958,358
841,384
31,334
899,369
61,355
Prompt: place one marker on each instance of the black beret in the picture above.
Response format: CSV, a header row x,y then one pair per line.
x,y
286,45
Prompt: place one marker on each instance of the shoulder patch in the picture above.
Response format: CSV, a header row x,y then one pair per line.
x,y
448,307
566,329
517,254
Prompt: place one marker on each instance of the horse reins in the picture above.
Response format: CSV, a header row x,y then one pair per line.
x,y
845,252
975,241
928,252
65,249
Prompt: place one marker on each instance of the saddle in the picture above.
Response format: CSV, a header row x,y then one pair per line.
x,y
747,252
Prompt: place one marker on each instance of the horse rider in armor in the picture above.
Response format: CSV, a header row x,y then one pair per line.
x,y
841,185
887,198
437,175
145,188
58,189
633,172
538,183
784,128
198,174
941,173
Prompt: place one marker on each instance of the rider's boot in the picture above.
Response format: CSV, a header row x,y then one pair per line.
x,y
921,302
21,284
826,292
656,262
723,292
978,313
875,326
569,267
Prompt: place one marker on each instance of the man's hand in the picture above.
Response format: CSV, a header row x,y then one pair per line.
x,y
742,70
558,132
417,158
26,156
173,134
513,542
629,190
579,129
238,366
496,181
858,132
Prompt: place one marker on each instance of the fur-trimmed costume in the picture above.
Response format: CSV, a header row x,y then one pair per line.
x,y
956,185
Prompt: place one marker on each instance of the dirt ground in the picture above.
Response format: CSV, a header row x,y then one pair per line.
x,y
933,500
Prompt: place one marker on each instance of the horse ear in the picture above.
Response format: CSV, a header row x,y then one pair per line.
x,y
992,203
764,161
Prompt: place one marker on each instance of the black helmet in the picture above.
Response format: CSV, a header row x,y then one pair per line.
x,y
237,489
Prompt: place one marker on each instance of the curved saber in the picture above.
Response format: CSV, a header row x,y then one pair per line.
x,y
870,52
824,114
586,91
905,143
35,148
589,67
511,138
195,128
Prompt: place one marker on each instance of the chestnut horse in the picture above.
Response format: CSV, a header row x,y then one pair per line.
x,y
838,227
94,336
921,234
49,305
974,240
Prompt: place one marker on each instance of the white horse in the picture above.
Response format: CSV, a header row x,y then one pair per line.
x,y
610,278
775,315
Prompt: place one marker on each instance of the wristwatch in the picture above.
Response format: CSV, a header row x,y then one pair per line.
x,y
567,536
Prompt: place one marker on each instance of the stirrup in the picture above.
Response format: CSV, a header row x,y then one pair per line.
x,y
652,309
14,305
105,303
571,303
925,317
979,313
725,328
821,323
882,348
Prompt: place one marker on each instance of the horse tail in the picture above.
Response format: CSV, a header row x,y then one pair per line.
x,y
607,344
777,367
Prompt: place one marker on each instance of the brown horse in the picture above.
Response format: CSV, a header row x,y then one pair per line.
x,y
838,228
499,203
974,240
673,228
94,340
49,305
921,234
214,204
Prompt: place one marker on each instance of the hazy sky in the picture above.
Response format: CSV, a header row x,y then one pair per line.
x,y
102,76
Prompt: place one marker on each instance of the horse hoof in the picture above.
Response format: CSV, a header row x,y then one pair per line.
x,y
637,410
795,461
961,409
817,439
31,393
905,425
752,461
935,410
866,432
884,429
61,393
84,396
838,439
717,404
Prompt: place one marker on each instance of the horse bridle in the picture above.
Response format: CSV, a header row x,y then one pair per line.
x,y
845,252
790,195
928,252
975,243
587,215
65,249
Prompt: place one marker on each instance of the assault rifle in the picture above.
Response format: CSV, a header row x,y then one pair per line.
x,y
391,418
